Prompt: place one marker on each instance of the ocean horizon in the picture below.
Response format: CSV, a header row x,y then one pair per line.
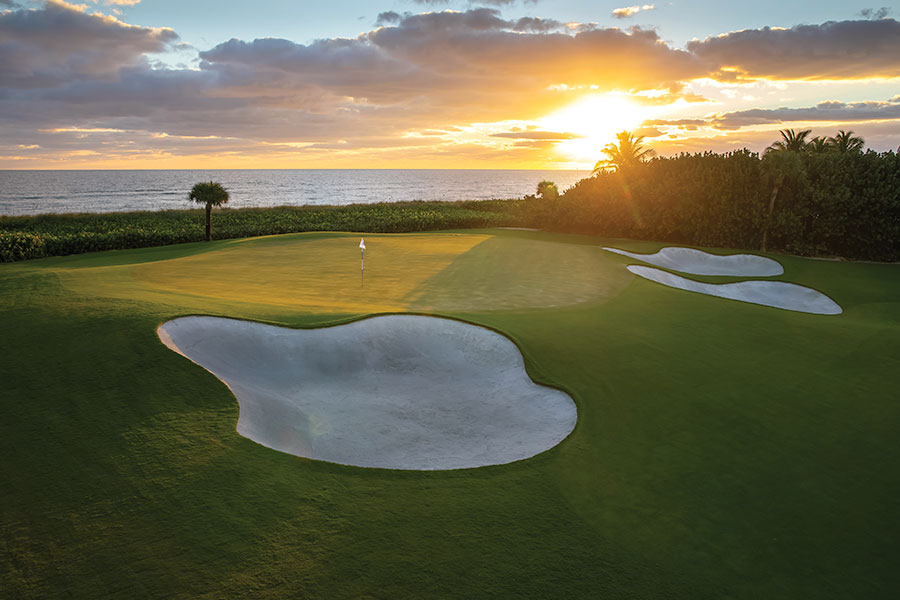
x,y
31,192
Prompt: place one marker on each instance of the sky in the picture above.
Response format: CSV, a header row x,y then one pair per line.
x,y
495,84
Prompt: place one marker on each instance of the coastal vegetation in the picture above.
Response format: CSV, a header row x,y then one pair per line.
x,y
547,190
803,197
209,193
24,238
809,197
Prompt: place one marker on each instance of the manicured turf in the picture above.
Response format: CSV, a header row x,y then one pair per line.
x,y
723,449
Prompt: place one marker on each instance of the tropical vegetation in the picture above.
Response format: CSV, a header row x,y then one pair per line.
x,y
55,235
547,190
627,153
821,196
211,194
836,202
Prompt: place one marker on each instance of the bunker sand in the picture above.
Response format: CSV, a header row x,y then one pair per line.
x,y
395,392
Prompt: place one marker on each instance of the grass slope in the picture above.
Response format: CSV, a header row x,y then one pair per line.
x,y
723,449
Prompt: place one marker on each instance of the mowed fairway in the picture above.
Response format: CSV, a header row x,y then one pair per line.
x,y
723,449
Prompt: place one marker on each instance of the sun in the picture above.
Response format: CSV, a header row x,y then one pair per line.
x,y
596,118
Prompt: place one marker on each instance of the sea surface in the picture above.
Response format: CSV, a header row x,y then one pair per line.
x,y
37,192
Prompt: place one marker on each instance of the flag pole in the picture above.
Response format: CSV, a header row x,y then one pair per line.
x,y
362,262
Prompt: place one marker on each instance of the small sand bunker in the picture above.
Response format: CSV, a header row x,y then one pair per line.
x,y
394,392
779,294
697,262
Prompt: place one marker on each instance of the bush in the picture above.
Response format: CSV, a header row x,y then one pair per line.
x,y
828,204
22,238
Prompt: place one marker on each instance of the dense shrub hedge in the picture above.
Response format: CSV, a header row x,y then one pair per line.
x,y
55,235
828,204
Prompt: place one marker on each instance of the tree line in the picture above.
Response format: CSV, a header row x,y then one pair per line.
x,y
813,197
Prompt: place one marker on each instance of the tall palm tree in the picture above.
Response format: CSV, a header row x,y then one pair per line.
x,y
790,141
846,143
624,155
818,145
779,164
211,194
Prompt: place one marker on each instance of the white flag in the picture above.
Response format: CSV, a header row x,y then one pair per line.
x,y
362,243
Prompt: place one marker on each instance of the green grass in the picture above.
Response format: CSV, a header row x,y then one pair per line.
x,y
723,449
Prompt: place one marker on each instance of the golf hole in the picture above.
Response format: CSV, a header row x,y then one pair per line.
x,y
394,392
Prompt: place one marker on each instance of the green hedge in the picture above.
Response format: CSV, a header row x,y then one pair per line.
x,y
828,204
55,235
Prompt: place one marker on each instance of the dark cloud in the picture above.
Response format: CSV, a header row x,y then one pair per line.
x,y
843,112
875,13
480,45
537,25
536,135
832,50
59,43
388,18
828,111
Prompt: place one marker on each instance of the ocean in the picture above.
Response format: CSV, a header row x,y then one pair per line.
x,y
37,192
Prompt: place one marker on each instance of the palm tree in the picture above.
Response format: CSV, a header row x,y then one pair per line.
x,y
790,141
846,143
628,153
211,194
547,190
780,164
818,145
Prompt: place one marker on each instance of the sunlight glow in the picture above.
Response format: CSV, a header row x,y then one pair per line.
x,y
596,118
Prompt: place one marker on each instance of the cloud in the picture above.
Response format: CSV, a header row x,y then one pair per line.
x,y
536,135
830,111
844,112
630,11
388,18
832,50
875,13
482,2
537,25
62,43
647,132
683,124
415,86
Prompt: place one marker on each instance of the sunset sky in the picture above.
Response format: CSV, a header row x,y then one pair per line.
x,y
523,84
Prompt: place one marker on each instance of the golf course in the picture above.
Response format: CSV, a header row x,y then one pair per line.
x,y
722,449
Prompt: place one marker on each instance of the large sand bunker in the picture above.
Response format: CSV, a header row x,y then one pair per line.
x,y
697,262
779,294
395,392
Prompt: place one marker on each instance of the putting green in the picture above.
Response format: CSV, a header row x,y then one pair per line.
x,y
722,449
443,272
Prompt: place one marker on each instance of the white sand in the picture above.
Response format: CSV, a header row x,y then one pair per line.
x,y
396,392
779,294
697,262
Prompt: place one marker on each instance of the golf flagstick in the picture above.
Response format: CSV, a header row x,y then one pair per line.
x,y
362,262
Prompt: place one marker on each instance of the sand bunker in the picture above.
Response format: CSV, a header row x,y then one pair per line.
x,y
697,262
395,392
779,294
